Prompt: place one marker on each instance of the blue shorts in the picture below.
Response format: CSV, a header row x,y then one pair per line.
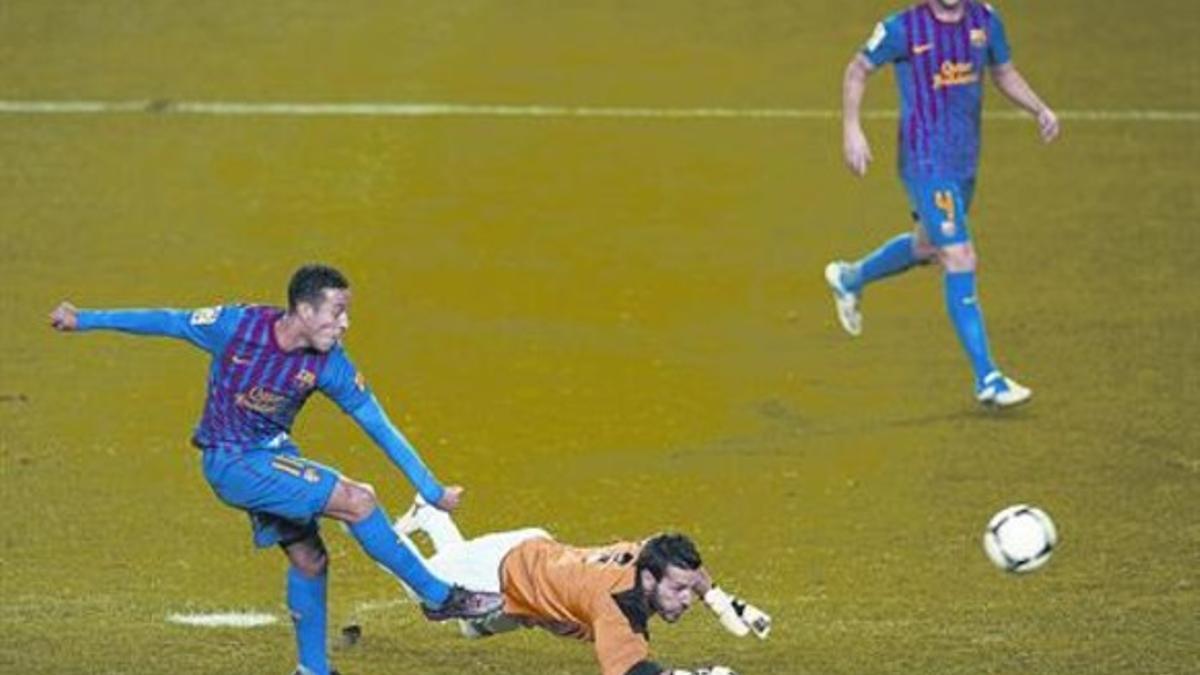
x,y
283,493
941,206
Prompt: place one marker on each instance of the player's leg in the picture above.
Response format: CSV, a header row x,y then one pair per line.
x,y
896,255
354,504
307,583
942,207
847,280
281,494
476,564
280,483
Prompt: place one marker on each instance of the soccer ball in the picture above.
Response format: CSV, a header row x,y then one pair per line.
x,y
1020,538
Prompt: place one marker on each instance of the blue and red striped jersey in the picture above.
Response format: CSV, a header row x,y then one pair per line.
x,y
939,72
255,389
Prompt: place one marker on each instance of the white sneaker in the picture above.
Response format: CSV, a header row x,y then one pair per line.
x,y
1002,392
846,301
421,517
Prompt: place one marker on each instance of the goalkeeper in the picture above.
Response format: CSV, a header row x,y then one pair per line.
x,y
603,595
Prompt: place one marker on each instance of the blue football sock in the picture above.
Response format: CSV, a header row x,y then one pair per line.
x,y
895,256
306,602
381,543
967,318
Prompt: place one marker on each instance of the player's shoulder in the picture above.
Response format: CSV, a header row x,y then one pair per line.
x,y
987,10
890,26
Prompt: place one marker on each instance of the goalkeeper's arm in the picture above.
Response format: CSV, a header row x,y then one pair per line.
x,y
736,615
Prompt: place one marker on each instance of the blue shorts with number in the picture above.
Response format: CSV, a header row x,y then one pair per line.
x,y
941,206
283,493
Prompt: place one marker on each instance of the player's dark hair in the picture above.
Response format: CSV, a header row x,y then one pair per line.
x,y
309,282
668,549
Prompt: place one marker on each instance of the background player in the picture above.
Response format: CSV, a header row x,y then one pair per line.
x,y
604,595
940,49
266,362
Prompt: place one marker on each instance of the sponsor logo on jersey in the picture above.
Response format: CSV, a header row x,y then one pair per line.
x,y
360,381
953,74
921,49
261,400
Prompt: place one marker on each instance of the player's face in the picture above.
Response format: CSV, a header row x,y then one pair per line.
x,y
326,322
672,595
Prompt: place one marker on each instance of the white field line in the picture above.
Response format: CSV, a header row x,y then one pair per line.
x,y
223,619
384,109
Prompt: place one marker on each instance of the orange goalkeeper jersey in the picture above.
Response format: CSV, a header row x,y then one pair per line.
x,y
584,593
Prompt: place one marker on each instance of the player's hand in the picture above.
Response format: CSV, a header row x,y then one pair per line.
x,y
758,620
65,317
1047,125
451,497
856,150
736,615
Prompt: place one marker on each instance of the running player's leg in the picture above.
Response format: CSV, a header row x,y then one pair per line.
x,y
896,255
942,207
848,280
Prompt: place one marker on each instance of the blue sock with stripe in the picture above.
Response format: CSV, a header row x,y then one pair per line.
x,y
306,602
895,256
376,537
967,318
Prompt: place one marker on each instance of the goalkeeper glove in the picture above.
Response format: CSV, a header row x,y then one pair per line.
x,y
736,615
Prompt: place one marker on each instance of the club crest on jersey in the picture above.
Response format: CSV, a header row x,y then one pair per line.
x,y
955,73
260,400
978,37
305,379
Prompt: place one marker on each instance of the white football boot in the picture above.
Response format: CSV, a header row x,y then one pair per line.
x,y
846,301
1001,392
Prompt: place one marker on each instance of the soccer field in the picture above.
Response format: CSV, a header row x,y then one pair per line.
x,y
605,322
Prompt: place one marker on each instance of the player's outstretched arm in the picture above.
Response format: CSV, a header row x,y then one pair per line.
x,y
373,420
736,615
200,327
855,148
1013,85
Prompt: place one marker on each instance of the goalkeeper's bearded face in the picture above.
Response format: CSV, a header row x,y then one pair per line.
x,y
673,594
